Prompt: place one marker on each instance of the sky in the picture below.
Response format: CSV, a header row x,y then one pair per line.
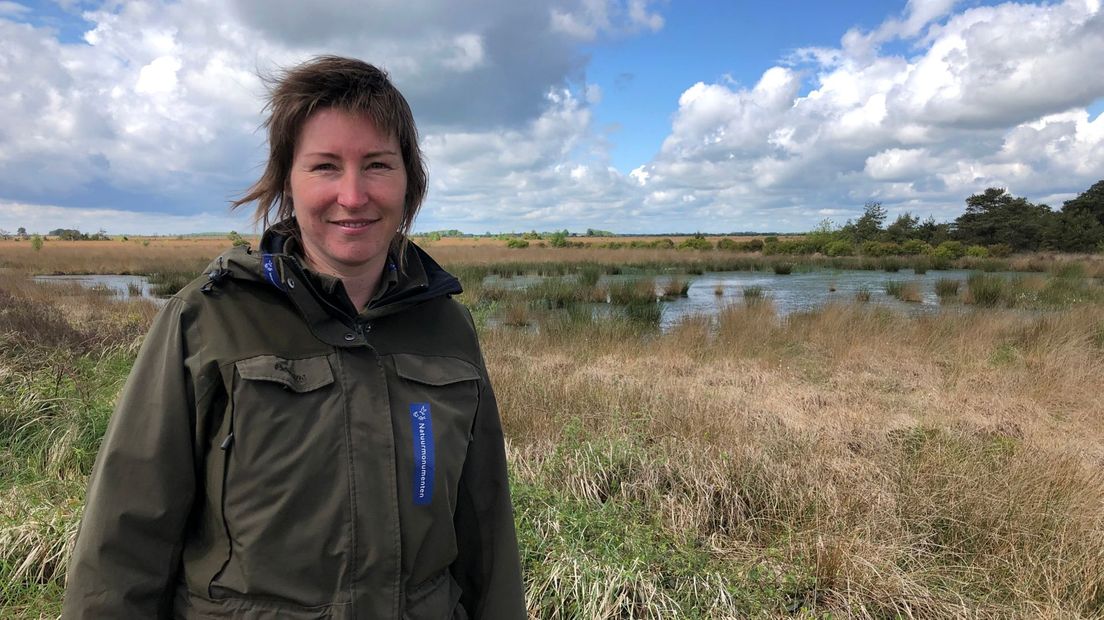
x,y
635,116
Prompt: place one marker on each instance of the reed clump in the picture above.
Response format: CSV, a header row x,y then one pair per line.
x,y
904,290
947,288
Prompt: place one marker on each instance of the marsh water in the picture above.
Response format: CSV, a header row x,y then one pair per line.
x,y
801,291
707,293
795,292
123,287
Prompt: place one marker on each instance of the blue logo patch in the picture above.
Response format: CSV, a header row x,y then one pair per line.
x,y
421,426
270,271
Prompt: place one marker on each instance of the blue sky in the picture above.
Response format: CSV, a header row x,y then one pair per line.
x,y
627,115
642,77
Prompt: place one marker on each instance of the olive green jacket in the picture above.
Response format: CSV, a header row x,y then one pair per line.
x,y
275,456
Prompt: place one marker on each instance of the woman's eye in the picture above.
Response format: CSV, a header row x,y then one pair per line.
x,y
323,167
378,165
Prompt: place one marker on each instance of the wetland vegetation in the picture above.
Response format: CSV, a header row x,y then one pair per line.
x,y
848,460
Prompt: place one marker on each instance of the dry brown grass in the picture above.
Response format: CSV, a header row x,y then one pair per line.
x,y
114,256
489,242
483,253
937,467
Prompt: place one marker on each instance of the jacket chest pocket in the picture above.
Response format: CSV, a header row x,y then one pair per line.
x,y
433,404
281,405
286,495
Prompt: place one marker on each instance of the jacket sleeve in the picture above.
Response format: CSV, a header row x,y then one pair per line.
x,y
487,567
140,493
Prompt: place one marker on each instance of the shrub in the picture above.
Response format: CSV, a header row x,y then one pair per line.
x,y
977,251
756,245
783,269
891,264
517,243
791,246
558,240
1000,250
949,250
862,295
236,239
753,294
36,242
839,248
871,248
662,244
697,242
727,244
913,247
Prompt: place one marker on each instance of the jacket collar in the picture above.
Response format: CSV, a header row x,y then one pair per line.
x,y
321,299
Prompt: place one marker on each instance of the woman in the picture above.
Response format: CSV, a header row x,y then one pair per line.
x,y
309,430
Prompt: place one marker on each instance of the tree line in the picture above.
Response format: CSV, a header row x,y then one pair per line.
x,y
995,222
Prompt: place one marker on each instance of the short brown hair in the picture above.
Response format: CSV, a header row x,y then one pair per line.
x,y
346,84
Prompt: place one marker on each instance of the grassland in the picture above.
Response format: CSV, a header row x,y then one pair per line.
x,y
845,462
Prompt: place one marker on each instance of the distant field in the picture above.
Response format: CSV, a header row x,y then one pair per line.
x,y
191,255
134,256
140,255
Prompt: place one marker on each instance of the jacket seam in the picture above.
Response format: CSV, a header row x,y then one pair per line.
x,y
351,462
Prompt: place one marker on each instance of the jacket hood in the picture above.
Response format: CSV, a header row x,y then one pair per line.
x,y
279,265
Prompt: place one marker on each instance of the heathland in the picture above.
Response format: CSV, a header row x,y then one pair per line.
x,y
848,461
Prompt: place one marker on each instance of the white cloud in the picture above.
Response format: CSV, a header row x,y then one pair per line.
x,y
993,96
158,78
14,9
589,18
467,53
898,164
549,174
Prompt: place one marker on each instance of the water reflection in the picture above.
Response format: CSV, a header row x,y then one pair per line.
x,y
123,287
806,290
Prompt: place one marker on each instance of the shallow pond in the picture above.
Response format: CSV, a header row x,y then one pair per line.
x,y
123,287
796,292
802,291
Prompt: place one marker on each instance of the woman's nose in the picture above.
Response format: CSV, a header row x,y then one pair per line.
x,y
352,190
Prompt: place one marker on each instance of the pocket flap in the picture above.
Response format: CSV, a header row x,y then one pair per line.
x,y
298,375
434,370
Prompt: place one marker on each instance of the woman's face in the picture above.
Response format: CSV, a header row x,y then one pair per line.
x,y
348,186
